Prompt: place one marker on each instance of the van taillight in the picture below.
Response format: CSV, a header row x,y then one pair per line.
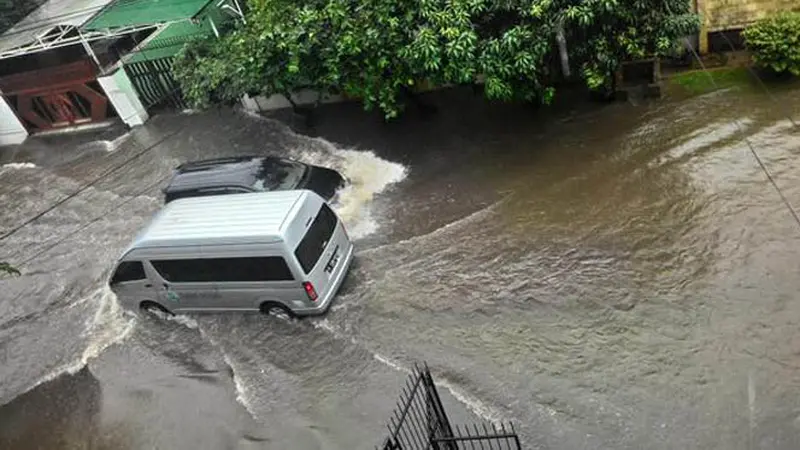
x,y
310,291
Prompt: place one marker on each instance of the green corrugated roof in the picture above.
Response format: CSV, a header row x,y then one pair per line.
x,y
124,13
170,40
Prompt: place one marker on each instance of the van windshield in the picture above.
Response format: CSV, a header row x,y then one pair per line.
x,y
316,239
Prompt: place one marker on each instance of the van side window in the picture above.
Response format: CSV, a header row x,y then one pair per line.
x,y
310,249
128,271
206,270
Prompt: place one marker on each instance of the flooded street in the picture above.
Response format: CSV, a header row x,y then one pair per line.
x,y
615,277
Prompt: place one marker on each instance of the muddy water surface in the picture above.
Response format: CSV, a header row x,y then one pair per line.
x,y
616,277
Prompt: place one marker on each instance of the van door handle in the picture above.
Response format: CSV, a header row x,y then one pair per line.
x,y
148,285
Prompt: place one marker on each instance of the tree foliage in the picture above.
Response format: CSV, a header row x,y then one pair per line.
x,y
775,42
380,51
8,269
606,33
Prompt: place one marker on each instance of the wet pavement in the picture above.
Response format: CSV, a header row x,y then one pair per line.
x,y
606,277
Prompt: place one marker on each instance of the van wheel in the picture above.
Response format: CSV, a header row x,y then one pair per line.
x,y
277,310
156,310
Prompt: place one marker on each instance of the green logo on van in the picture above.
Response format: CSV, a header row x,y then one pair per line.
x,y
172,296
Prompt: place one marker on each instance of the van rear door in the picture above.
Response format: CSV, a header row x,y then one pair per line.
x,y
321,250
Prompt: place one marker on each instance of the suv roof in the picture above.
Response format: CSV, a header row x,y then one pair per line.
x,y
228,171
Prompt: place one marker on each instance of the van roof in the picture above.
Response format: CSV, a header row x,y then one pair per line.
x,y
222,219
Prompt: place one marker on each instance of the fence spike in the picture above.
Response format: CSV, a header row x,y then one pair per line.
x,y
477,435
503,425
405,393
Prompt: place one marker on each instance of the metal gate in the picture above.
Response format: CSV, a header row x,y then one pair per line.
x,y
420,423
155,84
56,97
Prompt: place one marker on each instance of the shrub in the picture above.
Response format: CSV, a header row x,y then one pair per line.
x,y
775,43
8,269
384,51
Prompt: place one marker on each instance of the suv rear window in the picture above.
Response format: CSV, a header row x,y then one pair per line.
x,y
128,271
316,239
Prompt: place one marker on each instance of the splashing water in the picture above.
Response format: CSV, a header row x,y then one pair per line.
x,y
368,173
106,145
109,325
18,166
186,321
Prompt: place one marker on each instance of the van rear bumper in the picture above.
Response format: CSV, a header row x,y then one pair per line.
x,y
336,283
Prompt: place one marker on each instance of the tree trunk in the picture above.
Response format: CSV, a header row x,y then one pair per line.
x,y
306,113
288,96
562,48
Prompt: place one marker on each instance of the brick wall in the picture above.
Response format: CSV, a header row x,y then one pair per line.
x,y
722,15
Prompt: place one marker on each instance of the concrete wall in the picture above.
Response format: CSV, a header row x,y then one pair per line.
x,y
11,129
306,97
720,15
123,96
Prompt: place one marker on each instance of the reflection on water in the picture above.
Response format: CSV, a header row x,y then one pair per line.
x,y
63,414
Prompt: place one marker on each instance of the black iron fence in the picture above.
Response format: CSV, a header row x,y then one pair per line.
x,y
420,422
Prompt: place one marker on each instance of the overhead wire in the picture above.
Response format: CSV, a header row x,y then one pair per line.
x,y
753,151
761,83
83,188
86,186
98,179
55,242
52,244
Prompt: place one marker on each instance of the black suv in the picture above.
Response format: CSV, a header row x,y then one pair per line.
x,y
239,174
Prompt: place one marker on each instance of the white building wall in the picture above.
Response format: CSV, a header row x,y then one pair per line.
x,y
123,96
11,129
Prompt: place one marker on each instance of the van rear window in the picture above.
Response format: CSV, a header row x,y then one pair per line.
x,y
316,239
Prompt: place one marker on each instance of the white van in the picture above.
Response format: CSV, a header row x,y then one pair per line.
x,y
282,252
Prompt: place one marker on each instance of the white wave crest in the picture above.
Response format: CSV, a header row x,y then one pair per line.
x,y
18,166
109,325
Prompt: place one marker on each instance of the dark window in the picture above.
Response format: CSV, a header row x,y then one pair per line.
x,y
203,193
316,239
275,174
128,271
181,194
272,268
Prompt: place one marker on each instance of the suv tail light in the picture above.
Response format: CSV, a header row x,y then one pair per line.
x,y
310,291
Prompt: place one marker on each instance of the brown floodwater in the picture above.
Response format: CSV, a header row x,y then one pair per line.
x,y
620,276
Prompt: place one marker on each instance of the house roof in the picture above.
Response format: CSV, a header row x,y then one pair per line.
x,y
170,40
53,18
126,13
